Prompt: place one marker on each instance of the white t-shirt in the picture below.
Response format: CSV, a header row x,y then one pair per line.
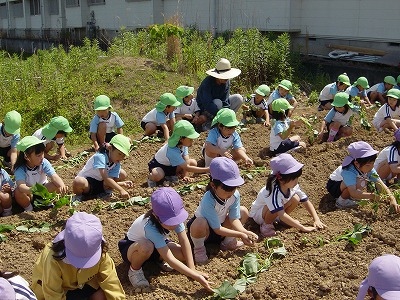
x,y
38,133
158,117
384,112
189,109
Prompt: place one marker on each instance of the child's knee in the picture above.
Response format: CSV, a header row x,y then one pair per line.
x,y
199,227
244,214
157,174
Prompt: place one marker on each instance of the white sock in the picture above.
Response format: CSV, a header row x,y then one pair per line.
x,y
133,270
229,239
198,242
340,199
7,212
29,207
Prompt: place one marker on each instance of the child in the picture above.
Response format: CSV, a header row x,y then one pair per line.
x,y
162,117
31,168
378,91
384,118
280,196
9,137
149,233
6,185
104,123
54,132
283,91
189,110
387,164
15,287
219,218
359,89
256,106
280,141
172,159
223,139
76,264
382,281
349,181
336,120
102,173
329,91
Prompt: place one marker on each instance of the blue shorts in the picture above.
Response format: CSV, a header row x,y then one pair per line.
x,y
143,125
168,170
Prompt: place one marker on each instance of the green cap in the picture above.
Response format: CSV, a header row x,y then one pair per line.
x,y
28,142
12,122
182,128
394,93
341,99
167,99
398,79
281,105
389,80
344,78
362,81
226,117
102,102
286,84
56,124
183,91
122,143
263,90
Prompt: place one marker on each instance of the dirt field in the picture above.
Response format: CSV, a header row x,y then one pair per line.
x,y
309,271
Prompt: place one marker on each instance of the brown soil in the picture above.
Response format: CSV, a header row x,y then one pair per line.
x,y
309,271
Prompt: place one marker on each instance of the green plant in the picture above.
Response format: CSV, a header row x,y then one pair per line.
x,y
355,235
251,265
138,200
310,132
5,228
32,226
228,291
45,199
313,98
363,114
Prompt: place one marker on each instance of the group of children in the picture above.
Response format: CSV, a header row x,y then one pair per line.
x,y
219,217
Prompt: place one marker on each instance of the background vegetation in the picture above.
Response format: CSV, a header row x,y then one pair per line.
x,y
59,82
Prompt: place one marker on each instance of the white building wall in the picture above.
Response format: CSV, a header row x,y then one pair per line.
x,y
353,19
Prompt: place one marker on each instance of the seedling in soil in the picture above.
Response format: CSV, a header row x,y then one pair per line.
x,y
229,291
310,132
363,115
355,235
45,199
5,228
251,265
74,161
31,226
190,187
138,200
250,173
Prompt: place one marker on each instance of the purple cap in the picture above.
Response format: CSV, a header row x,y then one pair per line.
x,y
397,134
383,275
358,149
6,289
82,237
285,164
226,170
168,206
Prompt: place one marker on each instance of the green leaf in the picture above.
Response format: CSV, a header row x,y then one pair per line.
x,y
63,201
226,291
22,228
279,252
273,242
240,284
6,227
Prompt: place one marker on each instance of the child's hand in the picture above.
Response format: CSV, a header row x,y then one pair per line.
x,y
267,124
188,116
308,229
248,162
318,224
6,188
127,183
396,207
203,281
63,189
247,240
245,107
227,154
124,194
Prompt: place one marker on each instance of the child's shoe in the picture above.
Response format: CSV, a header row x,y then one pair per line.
x,y
151,183
165,266
231,244
200,255
267,230
137,279
345,203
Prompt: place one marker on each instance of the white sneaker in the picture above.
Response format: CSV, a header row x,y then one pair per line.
x,y
137,279
345,203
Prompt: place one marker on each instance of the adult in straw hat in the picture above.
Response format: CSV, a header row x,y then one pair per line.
x,y
214,91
